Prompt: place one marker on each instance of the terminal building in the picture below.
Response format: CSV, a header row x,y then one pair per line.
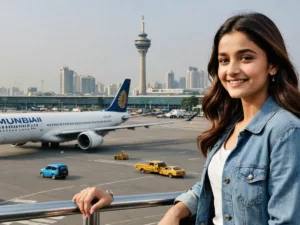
x,y
99,102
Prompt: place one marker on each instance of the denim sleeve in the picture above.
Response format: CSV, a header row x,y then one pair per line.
x,y
284,179
191,198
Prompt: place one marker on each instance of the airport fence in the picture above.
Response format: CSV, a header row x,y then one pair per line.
x,y
23,212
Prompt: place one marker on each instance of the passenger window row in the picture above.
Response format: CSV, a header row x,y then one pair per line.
x,y
76,123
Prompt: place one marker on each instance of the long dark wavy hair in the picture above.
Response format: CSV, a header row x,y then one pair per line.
x,y
218,107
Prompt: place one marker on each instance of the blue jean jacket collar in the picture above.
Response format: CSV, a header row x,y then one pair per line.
x,y
264,114
256,125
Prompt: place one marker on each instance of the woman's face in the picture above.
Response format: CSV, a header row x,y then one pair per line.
x,y
243,67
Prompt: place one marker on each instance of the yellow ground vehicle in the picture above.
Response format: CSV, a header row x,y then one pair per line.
x,y
172,171
121,156
152,166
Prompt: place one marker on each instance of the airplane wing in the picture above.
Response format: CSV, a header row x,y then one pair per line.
x,y
114,128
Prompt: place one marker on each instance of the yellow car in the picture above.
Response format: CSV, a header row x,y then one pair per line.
x,y
172,171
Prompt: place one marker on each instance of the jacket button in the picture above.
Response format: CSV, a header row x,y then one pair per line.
x,y
250,177
227,217
227,180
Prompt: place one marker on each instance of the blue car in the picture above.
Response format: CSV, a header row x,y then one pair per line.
x,y
55,171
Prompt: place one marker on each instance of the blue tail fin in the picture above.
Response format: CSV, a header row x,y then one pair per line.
x,y
119,103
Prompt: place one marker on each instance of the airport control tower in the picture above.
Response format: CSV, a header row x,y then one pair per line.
x,y
142,43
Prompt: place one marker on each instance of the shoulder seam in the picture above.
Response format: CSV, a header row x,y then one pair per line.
x,y
279,136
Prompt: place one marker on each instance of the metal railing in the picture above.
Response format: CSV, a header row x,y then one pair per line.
x,y
63,208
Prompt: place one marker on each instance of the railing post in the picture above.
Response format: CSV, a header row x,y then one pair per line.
x,y
85,220
93,219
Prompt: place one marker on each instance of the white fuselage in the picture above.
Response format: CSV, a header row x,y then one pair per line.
x,y
46,127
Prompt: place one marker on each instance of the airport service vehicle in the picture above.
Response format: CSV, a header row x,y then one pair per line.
x,y
55,171
121,156
88,128
153,166
176,113
161,116
172,171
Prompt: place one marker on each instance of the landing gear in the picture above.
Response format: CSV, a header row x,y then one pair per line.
x,y
54,145
45,144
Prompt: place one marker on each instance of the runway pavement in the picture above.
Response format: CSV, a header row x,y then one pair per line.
x,y
173,143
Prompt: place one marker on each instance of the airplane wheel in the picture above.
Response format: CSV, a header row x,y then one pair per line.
x,y
42,175
53,177
170,175
142,170
44,144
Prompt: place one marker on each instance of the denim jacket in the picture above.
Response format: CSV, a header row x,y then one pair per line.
x,y
261,176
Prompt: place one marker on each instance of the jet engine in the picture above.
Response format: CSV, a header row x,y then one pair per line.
x,y
89,139
18,144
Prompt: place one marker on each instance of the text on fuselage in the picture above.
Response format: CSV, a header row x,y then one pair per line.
x,y
16,120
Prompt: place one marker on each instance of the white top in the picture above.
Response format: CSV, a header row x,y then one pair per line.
x,y
215,171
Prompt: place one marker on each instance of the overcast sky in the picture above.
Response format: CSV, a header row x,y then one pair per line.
x,y
96,37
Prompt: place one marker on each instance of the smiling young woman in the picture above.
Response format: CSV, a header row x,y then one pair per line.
x,y
251,174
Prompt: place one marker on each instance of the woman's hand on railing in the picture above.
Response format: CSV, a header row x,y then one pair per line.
x,y
84,198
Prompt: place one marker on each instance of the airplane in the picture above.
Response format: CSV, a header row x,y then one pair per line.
x,y
88,128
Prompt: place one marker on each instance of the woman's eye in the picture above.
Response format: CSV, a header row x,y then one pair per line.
x,y
246,57
223,60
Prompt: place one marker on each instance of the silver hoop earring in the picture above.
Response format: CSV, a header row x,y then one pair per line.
x,y
273,78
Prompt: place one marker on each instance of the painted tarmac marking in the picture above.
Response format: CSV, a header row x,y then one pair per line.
x,y
40,221
47,221
40,192
57,217
123,221
194,173
135,219
121,181
113,162
182,152
194,158
23,201
154,216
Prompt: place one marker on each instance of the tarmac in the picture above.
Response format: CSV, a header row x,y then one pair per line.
x,y
173,143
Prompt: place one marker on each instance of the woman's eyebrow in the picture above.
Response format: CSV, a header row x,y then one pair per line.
x,y
238,52
246,50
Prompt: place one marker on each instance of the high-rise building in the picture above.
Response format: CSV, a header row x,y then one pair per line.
x,y
87,84
76,83
31,91
142,43
193,77
169,80
66,81
100,88
112,90
15,91
4,91
203,80
155,84
182,82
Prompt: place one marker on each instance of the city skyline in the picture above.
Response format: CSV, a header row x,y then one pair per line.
x,y
38,38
